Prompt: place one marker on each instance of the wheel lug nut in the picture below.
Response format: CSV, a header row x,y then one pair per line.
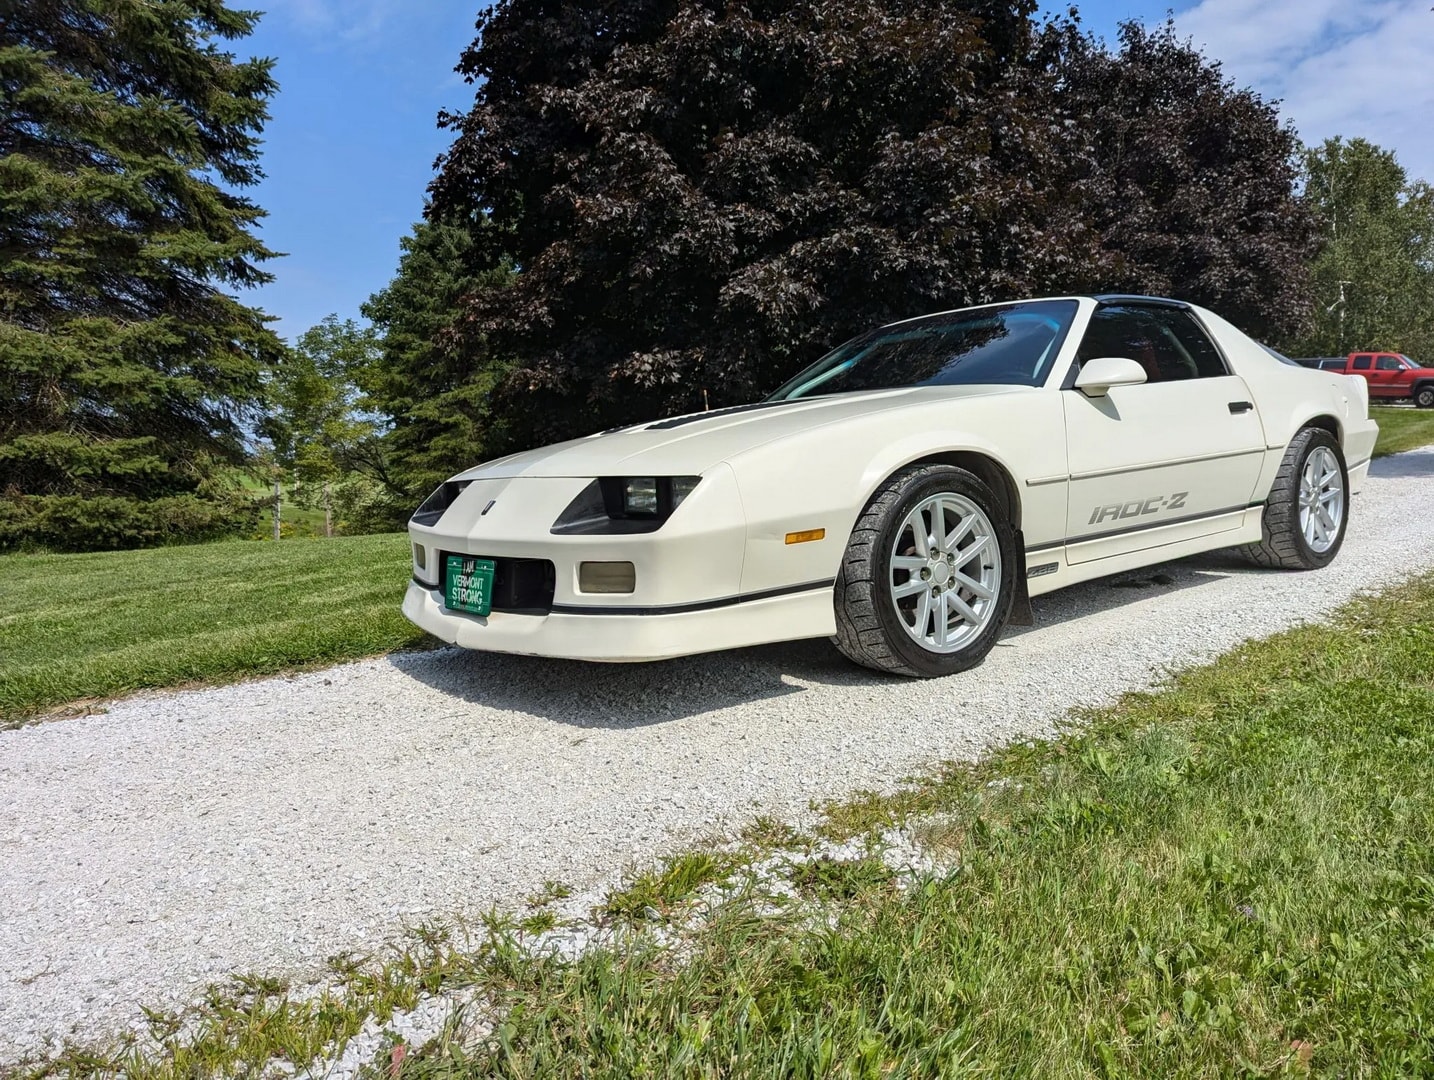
x,y
925,574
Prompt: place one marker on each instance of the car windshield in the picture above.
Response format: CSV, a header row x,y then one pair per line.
x,y
1013,343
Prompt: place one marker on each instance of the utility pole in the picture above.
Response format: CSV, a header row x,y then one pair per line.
x,y
278,504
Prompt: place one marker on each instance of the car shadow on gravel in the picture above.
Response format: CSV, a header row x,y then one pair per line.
x,y
1126,590
1409,465
592,695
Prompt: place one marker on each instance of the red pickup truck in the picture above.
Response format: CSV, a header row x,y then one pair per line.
x,y
1391,376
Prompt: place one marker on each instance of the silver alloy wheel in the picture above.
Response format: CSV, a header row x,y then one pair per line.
x,y
1321,499
945,572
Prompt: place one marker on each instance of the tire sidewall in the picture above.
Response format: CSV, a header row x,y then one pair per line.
x,y
956,482
1424,396
1316,559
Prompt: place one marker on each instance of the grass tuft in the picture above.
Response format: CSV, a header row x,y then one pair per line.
x,y
657,892
825,878
551,892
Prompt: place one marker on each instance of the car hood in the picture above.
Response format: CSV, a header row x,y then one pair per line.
x,y
689,445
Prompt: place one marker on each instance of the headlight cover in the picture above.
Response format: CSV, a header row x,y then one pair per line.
x,y
624,504
434,506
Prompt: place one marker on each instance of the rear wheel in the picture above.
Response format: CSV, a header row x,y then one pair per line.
x,y
1424,396
929,575
1308,507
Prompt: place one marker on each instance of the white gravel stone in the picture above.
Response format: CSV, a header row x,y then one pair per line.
x,y
264,827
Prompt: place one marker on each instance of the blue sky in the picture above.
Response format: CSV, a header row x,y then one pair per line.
x,y
350,146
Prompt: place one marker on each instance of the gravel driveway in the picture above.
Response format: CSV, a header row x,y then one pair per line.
x,y
266,826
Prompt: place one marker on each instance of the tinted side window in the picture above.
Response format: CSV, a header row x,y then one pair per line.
x,y
1167,342
1390,363
1361,363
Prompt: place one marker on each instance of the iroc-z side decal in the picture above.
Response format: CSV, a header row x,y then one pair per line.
x,y
1138,507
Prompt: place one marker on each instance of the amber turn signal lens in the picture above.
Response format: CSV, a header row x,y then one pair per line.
x,y
806,537
607,577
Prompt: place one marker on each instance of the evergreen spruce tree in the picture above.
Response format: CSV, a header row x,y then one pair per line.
x,y
436,394
127,374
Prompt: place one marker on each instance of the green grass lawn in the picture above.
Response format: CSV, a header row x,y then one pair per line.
x,y
86,626
1402,429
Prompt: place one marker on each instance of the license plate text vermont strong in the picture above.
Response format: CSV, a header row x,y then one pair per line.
x,y
468,584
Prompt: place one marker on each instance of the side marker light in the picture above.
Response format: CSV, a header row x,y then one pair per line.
x,y
806,536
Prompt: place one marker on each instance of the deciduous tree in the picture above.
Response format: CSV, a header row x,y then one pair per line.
x,y
1374,277
1193,184
316,426
702,197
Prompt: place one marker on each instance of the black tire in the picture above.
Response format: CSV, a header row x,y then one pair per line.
x,y
1283,544
870,630
1424,396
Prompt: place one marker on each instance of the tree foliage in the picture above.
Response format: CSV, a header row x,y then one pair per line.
x,y
435,396
126,372
1374,277
703,197
313,422
319,433
1193,189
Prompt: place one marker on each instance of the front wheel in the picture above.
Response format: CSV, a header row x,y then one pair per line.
x,y
1308,506
929,575
1424,396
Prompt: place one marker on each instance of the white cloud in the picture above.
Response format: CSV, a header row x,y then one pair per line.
x,y
345,21
1340,67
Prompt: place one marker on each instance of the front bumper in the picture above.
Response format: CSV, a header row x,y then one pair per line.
x,y
617,637
702,582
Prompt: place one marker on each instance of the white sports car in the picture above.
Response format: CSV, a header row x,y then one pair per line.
x,y
904,495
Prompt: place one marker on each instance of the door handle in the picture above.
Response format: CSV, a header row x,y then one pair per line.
x,y
1241,406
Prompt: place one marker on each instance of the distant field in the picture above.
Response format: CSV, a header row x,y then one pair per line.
x,y
86,626
1402,429
302,521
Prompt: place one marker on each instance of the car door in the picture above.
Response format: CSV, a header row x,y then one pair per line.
x,y
1385,378
1363,366
1171,459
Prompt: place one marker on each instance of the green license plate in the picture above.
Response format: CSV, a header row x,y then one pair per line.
x,y
468,584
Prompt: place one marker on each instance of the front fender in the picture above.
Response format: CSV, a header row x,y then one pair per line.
x,y
823,478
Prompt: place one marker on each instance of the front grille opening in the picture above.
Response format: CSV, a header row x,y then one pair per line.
x,y
522,586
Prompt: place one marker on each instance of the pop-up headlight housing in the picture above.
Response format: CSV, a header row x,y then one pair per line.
x,y
434,506
625,504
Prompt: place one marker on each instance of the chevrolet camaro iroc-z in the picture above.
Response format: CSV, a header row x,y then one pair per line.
x,y
906,494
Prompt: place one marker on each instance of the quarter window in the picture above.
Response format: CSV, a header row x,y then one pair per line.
x,y
1166,341
1361,363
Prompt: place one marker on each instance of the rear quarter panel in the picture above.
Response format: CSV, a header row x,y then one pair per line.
x,y
1290,398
